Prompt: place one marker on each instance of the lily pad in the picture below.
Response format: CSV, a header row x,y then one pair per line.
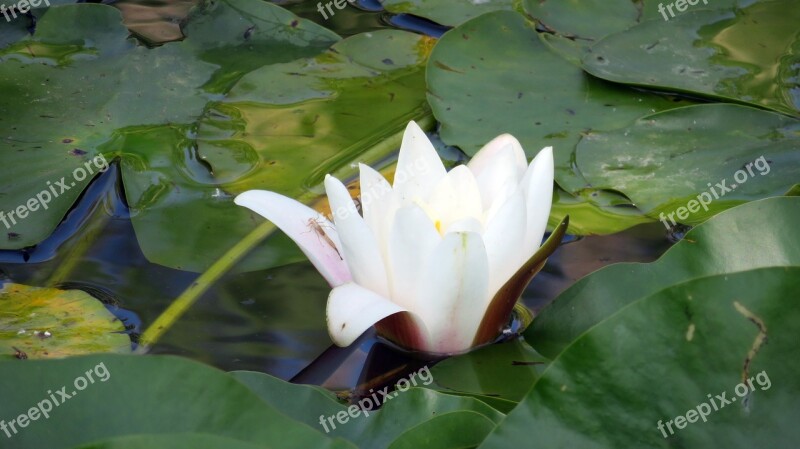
x,y
655,372
398,423
494,74
691,163
754,235
750,55
182,155
136,395
447,12
37,323
499,375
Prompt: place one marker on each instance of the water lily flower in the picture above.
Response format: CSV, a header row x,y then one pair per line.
x,y
438,259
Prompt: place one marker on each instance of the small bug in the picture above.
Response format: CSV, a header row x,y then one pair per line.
x,y
314,225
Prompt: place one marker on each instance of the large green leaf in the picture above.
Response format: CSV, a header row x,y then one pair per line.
x,y
751,55
494,74
447,12
398,423
79,90
499,374
757,234
664,161
135,395
47,323
662,357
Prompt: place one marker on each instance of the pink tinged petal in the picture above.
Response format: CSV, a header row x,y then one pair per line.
x,y
486,156
537,186
359,247
411,243
303,225
377,205
452,292
419,168
504,238
352,309
500,162
456,197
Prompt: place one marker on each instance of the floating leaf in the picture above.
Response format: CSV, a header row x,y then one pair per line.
x,y
750,55
447,12
499,375
143,395
691,163
37,323
663,356
397,423
754,235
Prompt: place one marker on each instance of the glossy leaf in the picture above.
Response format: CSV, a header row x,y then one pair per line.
x,y
749,55
664,355
754,235
397,422
720,154
79,90
447,12
136,395
38,323
499,374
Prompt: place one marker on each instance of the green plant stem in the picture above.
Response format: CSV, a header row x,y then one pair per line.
x,y
202,284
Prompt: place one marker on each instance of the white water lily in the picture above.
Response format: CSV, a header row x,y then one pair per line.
x,y
438,259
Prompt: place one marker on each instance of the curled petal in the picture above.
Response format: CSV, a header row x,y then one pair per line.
x,y
312,232
353,309
359,246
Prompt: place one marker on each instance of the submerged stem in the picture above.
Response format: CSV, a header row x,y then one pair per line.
x,y
202,284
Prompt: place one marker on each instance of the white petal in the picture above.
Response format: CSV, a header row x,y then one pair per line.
x,y
487,155
468,224
456,197
353,309
499,162
537,186
411,243
504,238
419,168
303,225
377,205
452,293
359,247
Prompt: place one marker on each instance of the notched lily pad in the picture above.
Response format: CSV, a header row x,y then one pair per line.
x,y
37,323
